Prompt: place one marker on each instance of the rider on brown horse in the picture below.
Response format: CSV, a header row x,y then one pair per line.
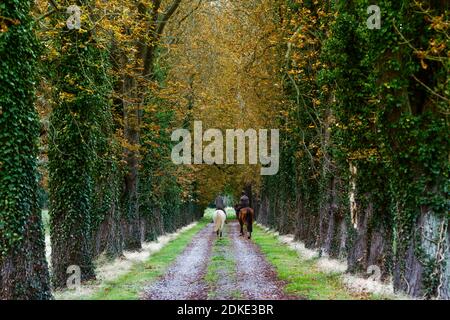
x,y
245,214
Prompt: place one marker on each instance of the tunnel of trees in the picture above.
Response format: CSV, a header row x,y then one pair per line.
x,y
87,113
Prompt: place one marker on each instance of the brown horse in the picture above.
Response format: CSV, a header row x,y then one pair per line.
x,y
246,216
237,209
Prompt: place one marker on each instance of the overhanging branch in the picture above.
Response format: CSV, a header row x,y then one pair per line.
x,y
166,16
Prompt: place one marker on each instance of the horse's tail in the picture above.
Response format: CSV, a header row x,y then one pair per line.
x,y
218,222
250,216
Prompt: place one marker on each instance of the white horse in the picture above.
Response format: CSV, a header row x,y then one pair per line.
x,y
219,218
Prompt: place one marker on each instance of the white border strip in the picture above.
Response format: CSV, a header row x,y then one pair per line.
x,y
111,270
326,264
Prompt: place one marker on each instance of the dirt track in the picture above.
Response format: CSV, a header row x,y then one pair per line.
x,y
254,278
257,279
184,280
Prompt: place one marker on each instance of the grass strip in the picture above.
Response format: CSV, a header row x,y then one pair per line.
x,y
131,285
303,277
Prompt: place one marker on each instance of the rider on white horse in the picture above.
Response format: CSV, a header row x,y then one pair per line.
x,y
220,216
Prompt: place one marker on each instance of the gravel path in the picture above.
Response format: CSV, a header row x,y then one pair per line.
x,y
254,278
184,280
257,279
226,287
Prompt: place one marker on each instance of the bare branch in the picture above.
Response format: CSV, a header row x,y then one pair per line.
x,y
430,90
150,49
166,17
53,3
190,13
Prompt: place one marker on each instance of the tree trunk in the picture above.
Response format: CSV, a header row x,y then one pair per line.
x,y
379,249
342,253
23,267
108,238
421,270
130,198
73,151
444,289
357,258
24,271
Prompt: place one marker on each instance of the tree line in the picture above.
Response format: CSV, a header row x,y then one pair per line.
x,y
364,170
78,119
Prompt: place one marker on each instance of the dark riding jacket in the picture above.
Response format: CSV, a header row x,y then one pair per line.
x,y
245,202
220,205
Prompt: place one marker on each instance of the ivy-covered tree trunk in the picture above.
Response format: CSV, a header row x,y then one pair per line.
x,y
153,19
23,268
128,111
132,121
414,128
82,90
106,211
